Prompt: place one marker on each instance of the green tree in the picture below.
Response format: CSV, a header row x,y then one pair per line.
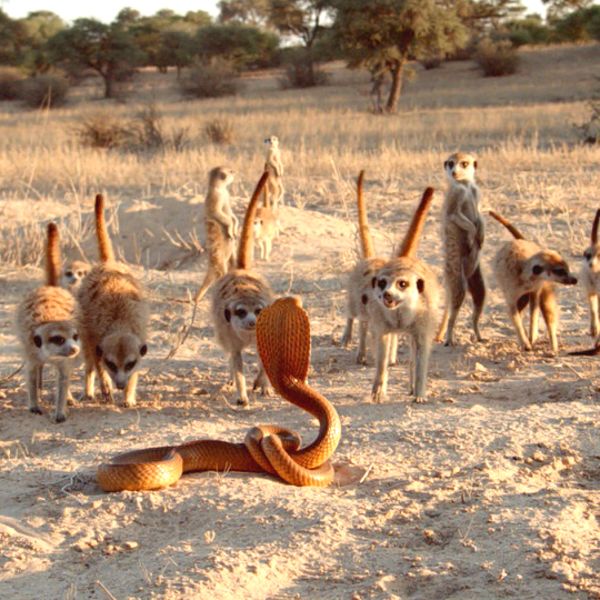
x,y
39,27
12,40
241,45
249,12
177,47
580,25
110,50
557,9
384,34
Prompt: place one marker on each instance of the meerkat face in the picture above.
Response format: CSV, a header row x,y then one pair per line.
x,y
242,315
549,266
460,167
120,355
258,223
56,341
273,140
221,176
73,274
397,290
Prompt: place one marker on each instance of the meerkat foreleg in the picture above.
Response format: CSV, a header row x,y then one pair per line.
x,y
361,352
476,286
534,317
90,379
347,335
34,373
130,390
237,374
517,319
62,392
420,351
393,358
105,387
379,390
268,248
261,382
594,319
550,313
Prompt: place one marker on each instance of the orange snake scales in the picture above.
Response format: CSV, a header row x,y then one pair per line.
x,y
283,341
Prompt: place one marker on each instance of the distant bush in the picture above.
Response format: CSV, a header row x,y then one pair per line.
x,y
497,58
591,130
219,131
579,25
44,91
432,62
10,82
104,131
212,80
301,71
529,30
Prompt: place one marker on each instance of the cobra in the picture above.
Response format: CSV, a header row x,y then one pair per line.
x,y
283,341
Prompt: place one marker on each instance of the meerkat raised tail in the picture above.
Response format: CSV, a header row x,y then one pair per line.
x,y
113,320
73,274
47,329
274,166
238,298
359,290
221,226
406,299
463,234
526,273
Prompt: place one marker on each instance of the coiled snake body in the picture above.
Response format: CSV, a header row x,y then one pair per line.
x,y
283,341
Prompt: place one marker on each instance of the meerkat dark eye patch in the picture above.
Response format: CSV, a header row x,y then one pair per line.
x,y
258,311
537,269
381,284
588,255
227,315
364,299
241,313
449,164
98,352
420,285
475,164
37,340
75,336
57,340
143,350
111,365
130,365
69,273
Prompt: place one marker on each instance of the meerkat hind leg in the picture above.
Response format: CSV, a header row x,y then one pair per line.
x,y
457,290
347,335
361,352
379,390
420,350
534,317
129,397
261,383
476,286
33,388
62,392
594,319
237,373
515,312
550,314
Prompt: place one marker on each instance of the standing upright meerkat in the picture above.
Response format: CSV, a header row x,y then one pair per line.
x,y
526,273
590,277
265,229
238,298
46,322
463,233
73,274
274,167
113,320
359,290
221,226
406,299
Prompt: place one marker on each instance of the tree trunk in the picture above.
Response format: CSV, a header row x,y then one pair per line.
x,y
108,85
396,88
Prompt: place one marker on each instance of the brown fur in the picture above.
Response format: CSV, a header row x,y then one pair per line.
x,y
590,278
527,274
410,243
73,274
265,229
238,298
274,190
46,328
105,248
113,321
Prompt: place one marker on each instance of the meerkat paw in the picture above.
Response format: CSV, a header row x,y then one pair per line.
x,y
71,400
420,399
594,331
378,396
60,418
526,347
83,397
264,389
36,410
129,402
361,359
243,402
107,397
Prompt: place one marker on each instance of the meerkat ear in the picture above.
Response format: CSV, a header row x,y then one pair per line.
x,y
143,349
420,285
373,282
364,299
445,164
37,340
537,269
475,164
98,352
227,315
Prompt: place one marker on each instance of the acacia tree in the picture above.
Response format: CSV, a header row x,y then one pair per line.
x,y
110,50
39,27
384,34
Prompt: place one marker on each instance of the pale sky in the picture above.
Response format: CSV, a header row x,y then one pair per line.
x,y
107,10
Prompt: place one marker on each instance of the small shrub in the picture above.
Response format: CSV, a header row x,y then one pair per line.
x,y
10,82
591,130
150,134
212,80
497,58
44,91
432,62
219,131
104,131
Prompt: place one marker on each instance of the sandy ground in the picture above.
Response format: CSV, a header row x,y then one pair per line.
x,y
490,490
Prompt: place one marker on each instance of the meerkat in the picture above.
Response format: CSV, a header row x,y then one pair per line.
x,y
113,320
273,165
47,329
526,273
463,234
590,277
238,298
359,290
72,275
265,229
221,226
406,295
